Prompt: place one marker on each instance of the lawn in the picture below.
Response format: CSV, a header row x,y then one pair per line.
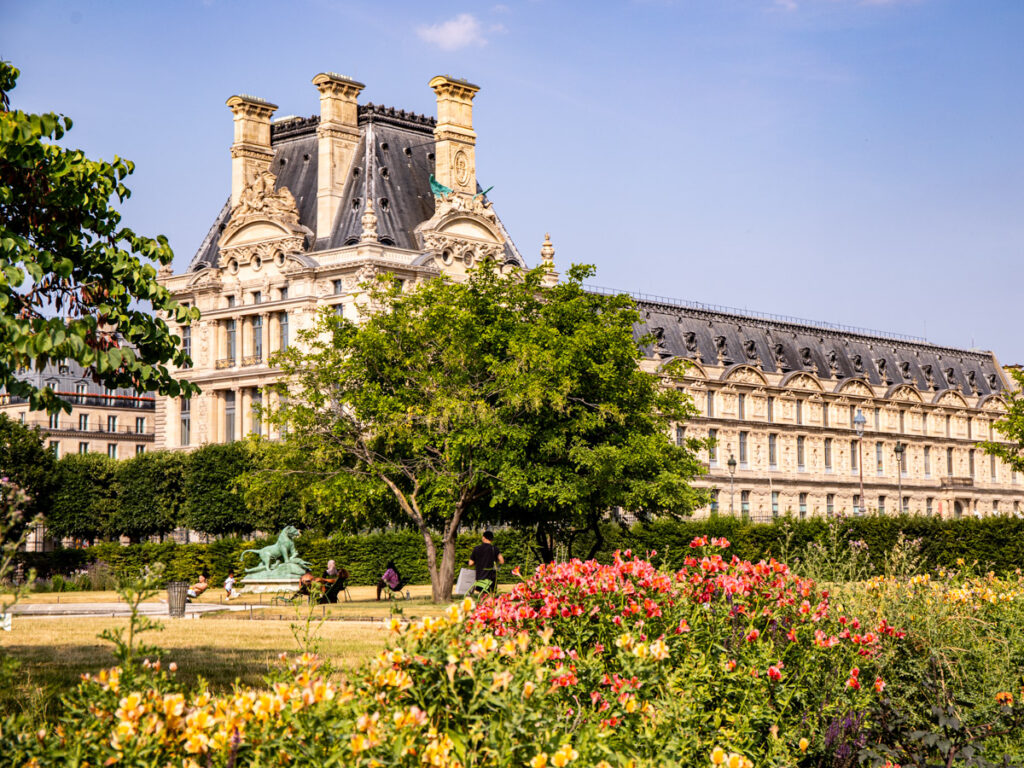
x,y
54,652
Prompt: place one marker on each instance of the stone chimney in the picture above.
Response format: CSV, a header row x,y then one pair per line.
x,y
338,135
250,153
455,141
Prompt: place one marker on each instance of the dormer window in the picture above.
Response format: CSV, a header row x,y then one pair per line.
x,y
257,297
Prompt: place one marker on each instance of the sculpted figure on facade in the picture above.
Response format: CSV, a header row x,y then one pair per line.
x,y
780,357
929,376
858,364
690,340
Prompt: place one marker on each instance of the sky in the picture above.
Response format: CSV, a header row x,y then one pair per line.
x,y
858,162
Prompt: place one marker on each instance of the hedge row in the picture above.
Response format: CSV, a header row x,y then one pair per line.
x,y
996,543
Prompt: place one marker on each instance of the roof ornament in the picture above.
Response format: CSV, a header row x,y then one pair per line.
x,y
369,223
438,189
547,261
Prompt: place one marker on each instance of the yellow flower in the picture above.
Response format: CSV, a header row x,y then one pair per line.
x,y
640,651
501,681
394,624
718,756
804,744
659,650
528,689
539,761
468,605
624,641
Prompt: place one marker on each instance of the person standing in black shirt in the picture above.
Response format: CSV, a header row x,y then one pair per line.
x,y
483,558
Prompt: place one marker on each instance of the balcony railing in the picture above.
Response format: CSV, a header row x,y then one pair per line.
x,y
252,360
958,482
72,426
225,362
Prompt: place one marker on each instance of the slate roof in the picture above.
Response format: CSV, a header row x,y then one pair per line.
x,y
393,163
832,354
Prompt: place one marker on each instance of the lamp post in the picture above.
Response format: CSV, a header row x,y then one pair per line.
x,y
859,421
732,483
900,449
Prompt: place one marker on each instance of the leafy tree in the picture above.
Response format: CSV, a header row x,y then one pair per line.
x,y
73,281
25,460
1011,426
213,501
274,487
85,497
150,494
494,395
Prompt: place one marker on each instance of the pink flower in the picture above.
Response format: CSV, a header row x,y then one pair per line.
x,y
752,635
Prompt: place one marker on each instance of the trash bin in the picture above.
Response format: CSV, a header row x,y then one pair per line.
x,y
177,591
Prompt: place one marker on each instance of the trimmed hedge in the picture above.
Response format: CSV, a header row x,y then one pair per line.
x,y
996,543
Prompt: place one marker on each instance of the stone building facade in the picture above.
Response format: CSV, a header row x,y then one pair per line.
x,y
320,205
117,422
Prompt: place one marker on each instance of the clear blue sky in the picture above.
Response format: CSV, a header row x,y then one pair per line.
x,y
855,161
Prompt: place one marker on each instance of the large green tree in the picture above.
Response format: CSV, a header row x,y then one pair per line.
x,y
496,394
214,502
150,494
85,497
1011,426
74,283
26,461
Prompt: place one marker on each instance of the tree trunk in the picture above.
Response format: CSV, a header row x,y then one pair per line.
x,y
442,589
544,544
428,541
595,526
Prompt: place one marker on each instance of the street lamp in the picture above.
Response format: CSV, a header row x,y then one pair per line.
x,y
900,449
732,483
859,421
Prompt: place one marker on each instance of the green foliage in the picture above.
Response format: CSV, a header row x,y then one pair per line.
x,y
150,494
25,461
276,487
135,590
74,283
214,503
492,398
1011,426
85,498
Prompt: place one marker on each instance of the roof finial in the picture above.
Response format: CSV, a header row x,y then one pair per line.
x,y
547,261
369,221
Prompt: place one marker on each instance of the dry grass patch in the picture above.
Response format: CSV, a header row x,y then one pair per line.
x,y
55,652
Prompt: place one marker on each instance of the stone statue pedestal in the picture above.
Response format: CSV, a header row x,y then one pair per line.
x,y
260,586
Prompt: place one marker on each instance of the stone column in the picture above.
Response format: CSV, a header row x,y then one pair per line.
x,y
265,316
273,333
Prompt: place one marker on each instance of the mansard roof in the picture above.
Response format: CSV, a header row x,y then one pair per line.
x,y
392,163
831,353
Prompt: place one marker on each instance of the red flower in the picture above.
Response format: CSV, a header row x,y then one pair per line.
x,y
879,684
752,635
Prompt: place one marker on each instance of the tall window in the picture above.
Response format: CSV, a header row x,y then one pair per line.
x,y
714,500
80,393
284,330
186,421
743,449
338,290
830,504
710,404
713,448
880,458
856,503
83,422
186,340
55,448
824,414
924,423
902,421
83,447
231,301
995,507
139,449
54,420
800,453
905,505
140,424
803,505
969,428
111,423
970,462
231,334
949,462
257,337
853,415
881,505
878,419
283,293
949,426
928,505
903,462
680,435
773,451
257,419
799,411
745,504
828,454
257,297
112,450
229,416
741,406
992,468
927,461
853,455
775,504
771,409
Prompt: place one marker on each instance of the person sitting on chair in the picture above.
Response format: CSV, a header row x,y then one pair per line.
x,y
483,559
331,572
391,579
305,581
200,586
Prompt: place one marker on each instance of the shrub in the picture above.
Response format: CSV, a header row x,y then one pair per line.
x,y
150,494
85,496
213,503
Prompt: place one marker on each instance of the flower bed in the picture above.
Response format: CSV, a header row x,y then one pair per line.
x,y
721,662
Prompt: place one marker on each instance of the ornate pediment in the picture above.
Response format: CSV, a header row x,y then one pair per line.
x,y
264,215
744,374
801,380
855,387
950,398
904,393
